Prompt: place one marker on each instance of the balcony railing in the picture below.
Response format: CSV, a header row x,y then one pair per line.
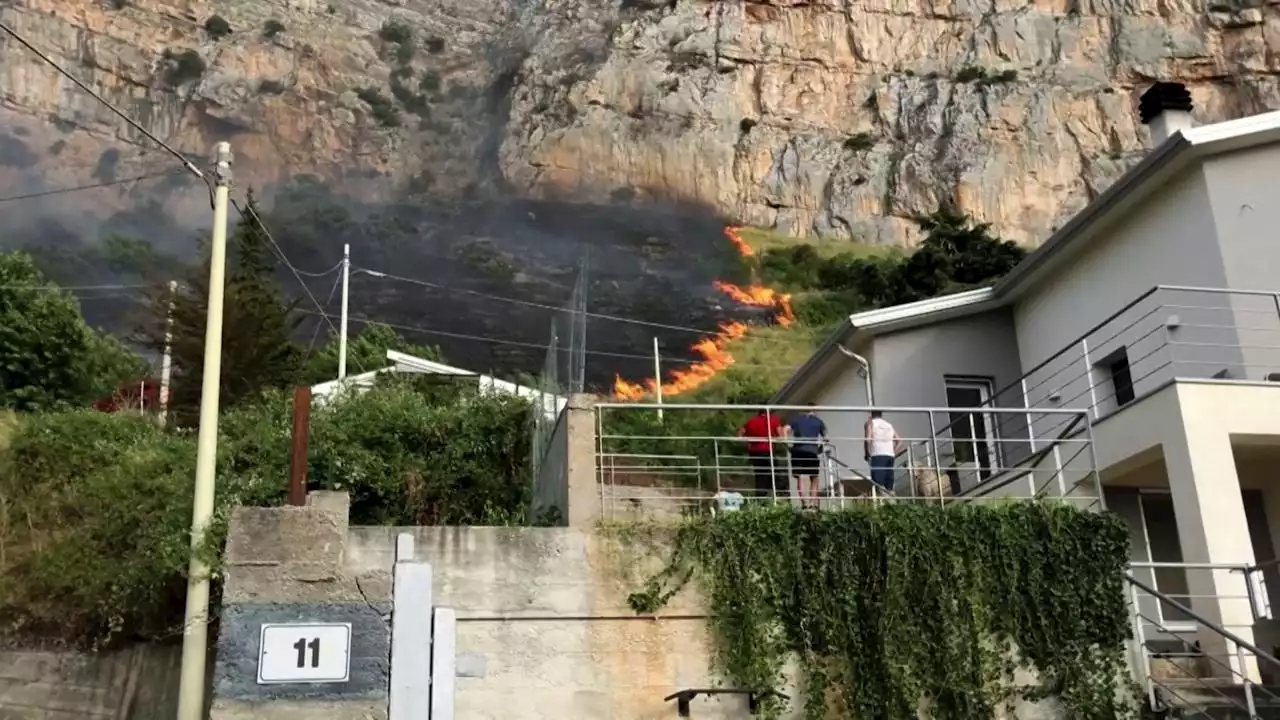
x,y
685,459
1167,332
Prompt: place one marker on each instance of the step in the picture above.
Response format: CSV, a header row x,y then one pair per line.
x,y
1217,699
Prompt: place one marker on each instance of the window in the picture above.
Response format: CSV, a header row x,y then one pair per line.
x,y
973,432
1117,367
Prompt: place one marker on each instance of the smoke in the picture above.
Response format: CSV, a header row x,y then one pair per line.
x,y
447,219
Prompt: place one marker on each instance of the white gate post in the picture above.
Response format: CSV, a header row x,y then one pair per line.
x,y
411,603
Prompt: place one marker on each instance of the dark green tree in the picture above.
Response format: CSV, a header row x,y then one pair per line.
x,y
49,357
258,324
956,254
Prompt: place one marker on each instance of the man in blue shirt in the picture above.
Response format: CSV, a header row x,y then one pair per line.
x,y
809,435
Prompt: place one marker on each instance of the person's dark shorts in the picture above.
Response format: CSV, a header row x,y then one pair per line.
x,y
882,471
804,464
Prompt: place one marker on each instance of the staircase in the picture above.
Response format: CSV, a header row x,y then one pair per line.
x,y
1180,680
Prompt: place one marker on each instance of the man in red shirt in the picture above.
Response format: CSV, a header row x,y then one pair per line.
x,y
759,430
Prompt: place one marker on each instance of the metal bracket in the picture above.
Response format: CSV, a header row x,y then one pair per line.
x,y
684,697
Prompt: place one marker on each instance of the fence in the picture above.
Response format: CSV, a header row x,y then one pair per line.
x,y
563,368
682,461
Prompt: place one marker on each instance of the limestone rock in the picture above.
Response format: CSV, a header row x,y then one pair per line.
x,y
814,116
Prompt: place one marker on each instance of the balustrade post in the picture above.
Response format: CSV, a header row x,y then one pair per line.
x,y
1088,377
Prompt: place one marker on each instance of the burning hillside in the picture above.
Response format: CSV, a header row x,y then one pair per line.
x,y
712,350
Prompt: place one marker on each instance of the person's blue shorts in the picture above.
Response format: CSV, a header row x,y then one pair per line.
x,y
882,471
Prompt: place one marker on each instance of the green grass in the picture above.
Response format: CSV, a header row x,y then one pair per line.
x,y
762,240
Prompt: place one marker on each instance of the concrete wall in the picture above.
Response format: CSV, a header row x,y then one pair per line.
x,y
286,565
137,683
543,626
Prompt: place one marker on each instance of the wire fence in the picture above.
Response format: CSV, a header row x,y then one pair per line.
x,y
564,367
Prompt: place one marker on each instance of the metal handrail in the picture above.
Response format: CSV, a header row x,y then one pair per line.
x,y
1211,625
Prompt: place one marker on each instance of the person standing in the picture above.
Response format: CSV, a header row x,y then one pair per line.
x,y
809,435
760,431
882,445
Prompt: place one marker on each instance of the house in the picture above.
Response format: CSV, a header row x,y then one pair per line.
x,y
1139,345
405,363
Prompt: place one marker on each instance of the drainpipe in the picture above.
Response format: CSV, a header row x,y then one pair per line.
x,y
865,370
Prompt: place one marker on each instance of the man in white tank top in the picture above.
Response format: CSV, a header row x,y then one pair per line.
x,y
882,444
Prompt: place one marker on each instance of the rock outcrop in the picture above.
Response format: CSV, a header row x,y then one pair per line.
x,y
820,117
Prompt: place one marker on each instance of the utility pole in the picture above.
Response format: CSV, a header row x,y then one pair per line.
x,y
342,329
166,364
195,633
657,376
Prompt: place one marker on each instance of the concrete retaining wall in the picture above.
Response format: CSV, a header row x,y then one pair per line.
x,y
543,626
137,683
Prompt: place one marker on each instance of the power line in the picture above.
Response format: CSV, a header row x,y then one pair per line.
x,y
50,61
71,287
529,303
95,186
297,274
536,346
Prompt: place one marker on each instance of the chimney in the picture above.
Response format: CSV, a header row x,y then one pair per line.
x,y
1165,108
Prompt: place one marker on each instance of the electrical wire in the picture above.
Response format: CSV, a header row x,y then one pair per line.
x,y
535,346
316,334
297,274
95,186
71,287
529,303
119,113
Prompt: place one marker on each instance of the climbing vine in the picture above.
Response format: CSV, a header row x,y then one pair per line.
x,y
905,611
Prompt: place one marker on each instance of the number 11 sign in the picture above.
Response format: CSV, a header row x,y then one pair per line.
x,y
304,653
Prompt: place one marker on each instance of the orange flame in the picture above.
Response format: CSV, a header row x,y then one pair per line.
x,y
712,349
714,359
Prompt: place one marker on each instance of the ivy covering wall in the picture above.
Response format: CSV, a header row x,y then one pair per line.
x,y
893,610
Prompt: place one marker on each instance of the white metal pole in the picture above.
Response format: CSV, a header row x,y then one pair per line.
x,y
657,376
342,329
195,634
166,364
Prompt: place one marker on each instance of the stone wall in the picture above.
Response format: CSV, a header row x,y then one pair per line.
x,y
137,683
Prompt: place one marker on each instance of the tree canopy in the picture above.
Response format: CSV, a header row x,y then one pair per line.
x,y
258,324
50,358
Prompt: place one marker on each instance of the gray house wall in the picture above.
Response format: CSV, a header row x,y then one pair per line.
x,y
911,367
1169,239
1244,192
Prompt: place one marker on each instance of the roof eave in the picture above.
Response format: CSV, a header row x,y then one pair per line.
x,y
819,358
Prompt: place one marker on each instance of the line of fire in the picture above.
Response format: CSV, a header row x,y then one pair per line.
x,y
712,349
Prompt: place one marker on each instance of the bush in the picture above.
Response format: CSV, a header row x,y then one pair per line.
x,y
217,27
272,28
181,67
395,31
384,112
94,522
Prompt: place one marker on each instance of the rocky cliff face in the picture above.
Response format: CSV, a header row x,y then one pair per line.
x,y
814,116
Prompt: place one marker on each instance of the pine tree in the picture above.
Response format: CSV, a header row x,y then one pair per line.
x,y
258,324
